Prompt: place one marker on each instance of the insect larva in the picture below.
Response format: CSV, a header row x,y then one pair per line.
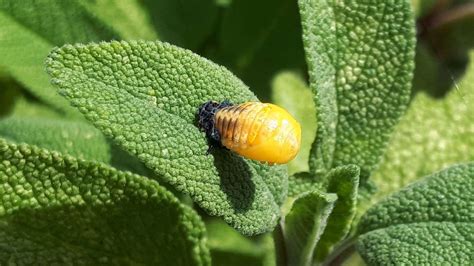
x,y
258,131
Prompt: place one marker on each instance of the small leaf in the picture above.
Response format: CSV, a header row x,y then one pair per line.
x,y
304,224
360,61
144,95
344,182
441,134
429,221
290,91
31,28
56,209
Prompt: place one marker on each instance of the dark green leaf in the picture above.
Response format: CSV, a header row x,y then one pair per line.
x,y
145,95
56,209
431,221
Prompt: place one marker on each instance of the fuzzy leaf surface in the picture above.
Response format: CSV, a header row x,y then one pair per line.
x,y
344,182
429,221
305,223
56,209
145,95
360,61
442,134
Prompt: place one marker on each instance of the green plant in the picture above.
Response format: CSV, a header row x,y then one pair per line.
x,y
113,169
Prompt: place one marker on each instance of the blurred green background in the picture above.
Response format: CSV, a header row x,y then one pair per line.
x,y
260,42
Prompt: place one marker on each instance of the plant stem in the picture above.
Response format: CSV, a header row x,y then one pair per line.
x,y
341,253
280,246
455,14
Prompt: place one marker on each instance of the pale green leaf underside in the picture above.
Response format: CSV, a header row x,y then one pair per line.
x,y
305,223
290,92
360,61
56,209
441,133
78,139
29,29
344,182
429,221
29,108
145,95
128,18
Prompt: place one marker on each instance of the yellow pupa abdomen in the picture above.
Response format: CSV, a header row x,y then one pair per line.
x,y
259,131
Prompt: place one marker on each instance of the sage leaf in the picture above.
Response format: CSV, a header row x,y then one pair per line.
x,y
344,182
304,224
442,135
430,221
56,209
360,62
144,96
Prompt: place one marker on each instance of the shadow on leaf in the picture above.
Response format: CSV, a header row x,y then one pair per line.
x,y
235,177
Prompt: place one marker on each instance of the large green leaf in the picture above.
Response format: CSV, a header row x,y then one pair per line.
x,y
360,60
290,92
440,133
56,209
304,224
145,95
29,29
431,221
